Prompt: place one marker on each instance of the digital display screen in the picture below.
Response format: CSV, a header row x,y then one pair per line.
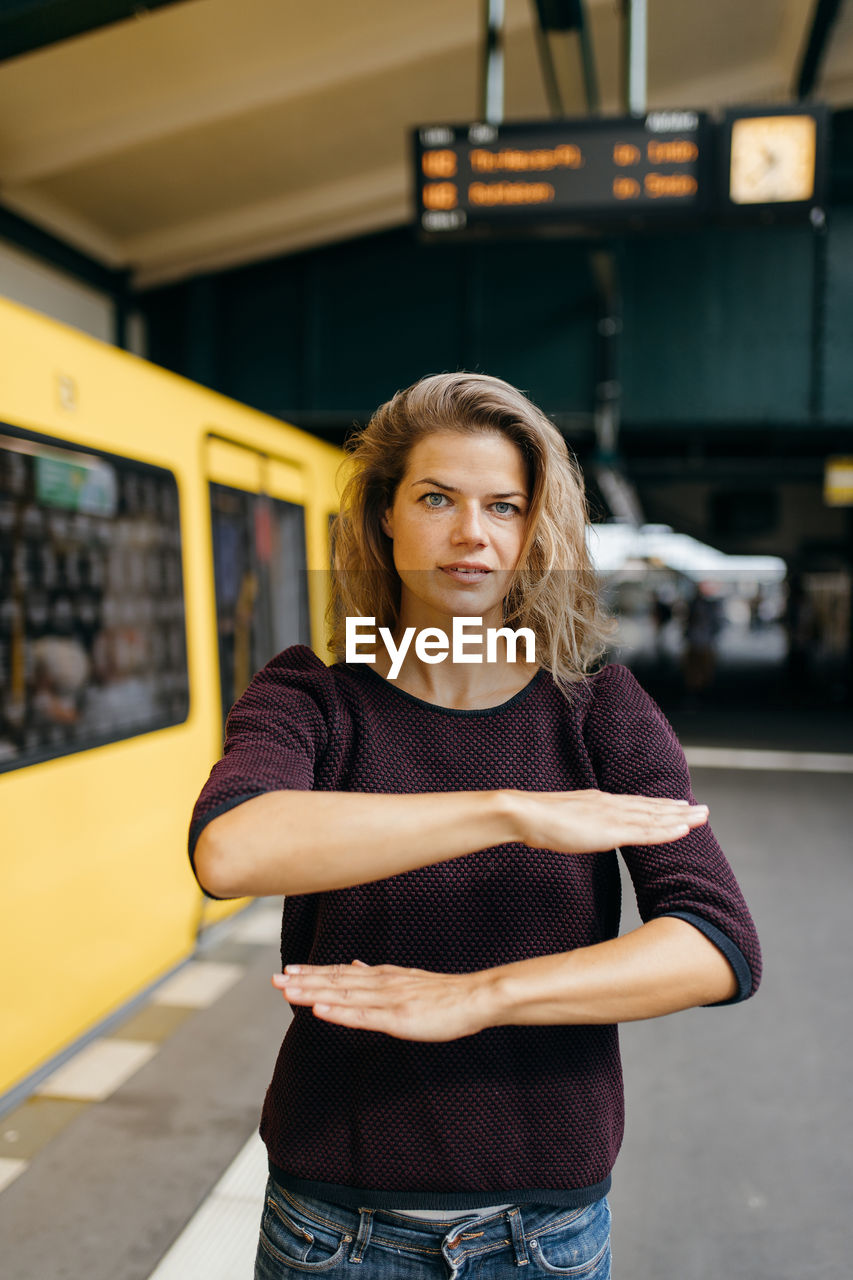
x,y
561,170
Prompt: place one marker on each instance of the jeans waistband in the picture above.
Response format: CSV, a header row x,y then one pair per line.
x,y
517,1227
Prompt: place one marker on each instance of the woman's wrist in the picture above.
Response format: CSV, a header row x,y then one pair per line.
x,y
514,809
500,995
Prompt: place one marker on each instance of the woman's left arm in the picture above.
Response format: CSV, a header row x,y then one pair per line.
x,y
663,966
689,881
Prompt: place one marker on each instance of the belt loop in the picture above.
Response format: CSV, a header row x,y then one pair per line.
x,y
519,1243
362,1240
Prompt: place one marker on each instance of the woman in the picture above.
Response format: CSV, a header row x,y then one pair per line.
x,y
447,1100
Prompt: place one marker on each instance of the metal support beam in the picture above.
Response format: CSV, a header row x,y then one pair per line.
x,y
823,20
617,490
820,278
608,391
546,63
492,96
590,76
33,24
564,15
635,36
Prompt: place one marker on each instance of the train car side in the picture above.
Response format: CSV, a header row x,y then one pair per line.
x,y
99,900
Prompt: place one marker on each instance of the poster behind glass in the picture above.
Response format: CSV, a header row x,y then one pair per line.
x,y
259,562
92,625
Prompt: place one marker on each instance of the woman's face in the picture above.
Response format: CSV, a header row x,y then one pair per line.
x,y
458,523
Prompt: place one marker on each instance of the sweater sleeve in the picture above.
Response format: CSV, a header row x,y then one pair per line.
x,y
275,736
634,751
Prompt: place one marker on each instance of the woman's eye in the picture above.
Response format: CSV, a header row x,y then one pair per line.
x,y
505,508
434,499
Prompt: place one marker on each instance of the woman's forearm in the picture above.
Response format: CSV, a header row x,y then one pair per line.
x,y
309,841
663,966
287,842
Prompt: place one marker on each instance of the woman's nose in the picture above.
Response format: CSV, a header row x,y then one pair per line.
x,y
469,525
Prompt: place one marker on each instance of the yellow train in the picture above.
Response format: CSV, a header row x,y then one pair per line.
x,y
154,542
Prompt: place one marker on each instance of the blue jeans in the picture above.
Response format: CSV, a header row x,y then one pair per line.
x,y
301,1236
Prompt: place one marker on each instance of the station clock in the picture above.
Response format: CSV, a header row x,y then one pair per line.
x,y
775,157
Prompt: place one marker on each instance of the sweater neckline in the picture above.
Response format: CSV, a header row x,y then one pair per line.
x,y
448,711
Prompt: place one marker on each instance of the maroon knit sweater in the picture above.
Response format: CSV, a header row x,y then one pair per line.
x,y
521,1114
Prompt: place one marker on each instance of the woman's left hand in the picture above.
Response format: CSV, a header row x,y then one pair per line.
x,y
411,1004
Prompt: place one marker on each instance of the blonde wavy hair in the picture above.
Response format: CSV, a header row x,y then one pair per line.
x,y
553,589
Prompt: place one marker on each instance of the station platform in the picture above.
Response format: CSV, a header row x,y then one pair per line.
x,y
139,1158
144,1144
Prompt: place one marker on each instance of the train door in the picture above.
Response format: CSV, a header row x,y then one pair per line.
x,y
259,560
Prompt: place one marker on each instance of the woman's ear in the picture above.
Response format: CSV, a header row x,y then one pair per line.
x,y
387,526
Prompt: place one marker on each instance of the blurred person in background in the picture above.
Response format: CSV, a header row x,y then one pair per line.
x,y
448,1097
702,626
803,633
663,612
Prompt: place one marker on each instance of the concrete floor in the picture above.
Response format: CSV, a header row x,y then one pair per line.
x,y
738,1158
106,1197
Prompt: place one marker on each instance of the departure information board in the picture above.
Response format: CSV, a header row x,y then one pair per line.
x,y
561,170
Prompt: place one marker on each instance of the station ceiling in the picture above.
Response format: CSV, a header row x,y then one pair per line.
x,y
206,133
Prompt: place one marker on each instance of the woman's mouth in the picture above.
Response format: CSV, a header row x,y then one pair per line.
x,y
466,572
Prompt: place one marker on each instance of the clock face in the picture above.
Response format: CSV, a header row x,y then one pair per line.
x,y
772,159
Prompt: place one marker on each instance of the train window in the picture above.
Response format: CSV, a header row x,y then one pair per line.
x,y
259,563
92,627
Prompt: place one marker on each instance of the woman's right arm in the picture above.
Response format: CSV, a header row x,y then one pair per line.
x,y
289,842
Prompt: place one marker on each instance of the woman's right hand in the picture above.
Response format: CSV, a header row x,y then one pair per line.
x,y
594,821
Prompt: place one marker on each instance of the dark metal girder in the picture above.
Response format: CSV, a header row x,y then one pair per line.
x,y
560,15
26,25
823,20
564,15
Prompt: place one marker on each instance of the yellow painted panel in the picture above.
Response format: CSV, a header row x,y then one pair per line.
x,y
213,912
234,465
285,480
98,898
838,482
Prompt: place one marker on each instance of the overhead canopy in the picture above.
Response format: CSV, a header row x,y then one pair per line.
x,y
207,133
619,546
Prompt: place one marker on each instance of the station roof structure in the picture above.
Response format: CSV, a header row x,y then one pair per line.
x,y
200,134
